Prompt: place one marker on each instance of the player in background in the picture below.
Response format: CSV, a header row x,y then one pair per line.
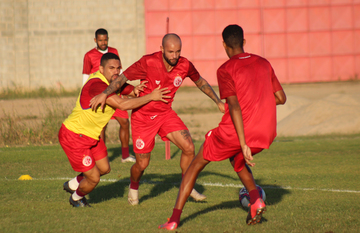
x,y
90,65
252,91
168,69
79,134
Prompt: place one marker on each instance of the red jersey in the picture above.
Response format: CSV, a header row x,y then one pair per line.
x,y
92,60
152,69
252,79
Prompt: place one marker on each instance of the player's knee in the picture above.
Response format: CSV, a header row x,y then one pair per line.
x,y
93,180
105,171
124,123
143,164
189,149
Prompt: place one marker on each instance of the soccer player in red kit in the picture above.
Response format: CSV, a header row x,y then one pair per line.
x,y
90,65
79,133
252,91
168,69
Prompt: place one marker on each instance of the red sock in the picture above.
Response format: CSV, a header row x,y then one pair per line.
x,y
79,193
125,152
254,195
80,177
176,215
134,185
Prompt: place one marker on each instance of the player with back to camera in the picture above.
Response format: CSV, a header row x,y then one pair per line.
x,y
90,65
79,134
168,69
252,91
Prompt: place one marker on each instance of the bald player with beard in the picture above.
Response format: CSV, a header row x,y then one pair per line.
x,y
168,69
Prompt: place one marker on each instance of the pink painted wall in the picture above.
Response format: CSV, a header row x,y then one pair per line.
x,y
305,40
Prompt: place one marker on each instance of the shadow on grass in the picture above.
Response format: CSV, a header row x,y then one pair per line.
x,y
162,183
274,194
116,152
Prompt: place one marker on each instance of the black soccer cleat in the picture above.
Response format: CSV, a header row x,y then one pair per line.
x,y
67,188
80,203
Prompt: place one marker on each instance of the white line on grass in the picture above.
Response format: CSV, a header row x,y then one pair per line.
x,y
211,184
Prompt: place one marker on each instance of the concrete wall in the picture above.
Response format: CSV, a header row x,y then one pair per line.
x,y
43,42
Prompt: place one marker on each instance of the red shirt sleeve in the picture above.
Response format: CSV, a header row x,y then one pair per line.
x,y
126,89
87,65
226,84
192,73
275,82
137,70
92,88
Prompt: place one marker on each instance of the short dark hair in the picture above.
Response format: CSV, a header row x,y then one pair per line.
x,y
108,56
233,36
101,31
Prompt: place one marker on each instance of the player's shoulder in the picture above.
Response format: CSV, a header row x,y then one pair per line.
x,y
90,51
112,50
259,58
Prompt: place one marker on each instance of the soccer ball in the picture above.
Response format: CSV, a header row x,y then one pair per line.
x,y
244,196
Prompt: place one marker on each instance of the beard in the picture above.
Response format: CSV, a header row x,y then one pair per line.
x,y
169,61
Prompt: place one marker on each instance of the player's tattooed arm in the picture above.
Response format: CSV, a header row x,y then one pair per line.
x,y
113,87
205,87
115,84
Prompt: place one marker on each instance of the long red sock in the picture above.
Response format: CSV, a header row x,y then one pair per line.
x,y
254,195
125,152
176,215
80,177
134,185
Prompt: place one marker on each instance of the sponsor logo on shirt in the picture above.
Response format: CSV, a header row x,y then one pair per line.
x,y
158,81
140,144
177,81
153,117
87,160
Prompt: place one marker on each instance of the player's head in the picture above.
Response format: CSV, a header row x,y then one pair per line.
x,y
233,36
110,66
101,39
171,48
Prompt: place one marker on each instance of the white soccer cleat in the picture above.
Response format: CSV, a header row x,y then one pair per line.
x,y
133,196
129,159
197,196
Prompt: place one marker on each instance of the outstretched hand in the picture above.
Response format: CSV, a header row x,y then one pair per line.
x,y
139,88
247,155
158,94
97,100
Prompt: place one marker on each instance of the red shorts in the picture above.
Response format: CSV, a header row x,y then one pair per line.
x,y
145,128
82,151
215,149
120,113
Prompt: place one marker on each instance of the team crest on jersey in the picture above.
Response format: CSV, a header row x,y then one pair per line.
x,y
158,82
87,161
140,144
177,81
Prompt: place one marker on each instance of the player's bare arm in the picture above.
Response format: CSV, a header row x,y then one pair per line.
x,y
205,87
138,89
237,118
113,87
157,94
280,97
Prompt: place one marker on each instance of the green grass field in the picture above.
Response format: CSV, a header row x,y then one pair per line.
x,y
312,185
